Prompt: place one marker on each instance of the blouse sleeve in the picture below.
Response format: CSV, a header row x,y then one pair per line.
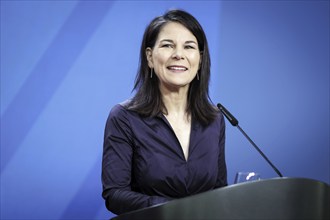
x,y
222,168
117,164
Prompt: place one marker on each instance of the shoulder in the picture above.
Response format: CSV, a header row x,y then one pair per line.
x,y
216,119
219,120
120,109
122,112
119,121
119,112
220,116
119,116
218,124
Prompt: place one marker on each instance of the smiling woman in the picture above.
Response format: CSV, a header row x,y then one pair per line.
x,y
175,58
168,141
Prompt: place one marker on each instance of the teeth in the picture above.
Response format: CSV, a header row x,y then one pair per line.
x,y
177,68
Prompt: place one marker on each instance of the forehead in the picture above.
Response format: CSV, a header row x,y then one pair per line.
x,y
175,31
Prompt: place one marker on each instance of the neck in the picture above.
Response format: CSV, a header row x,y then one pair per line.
x,y
175,101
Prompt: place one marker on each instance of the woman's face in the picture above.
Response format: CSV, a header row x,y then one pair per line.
x,y
175,58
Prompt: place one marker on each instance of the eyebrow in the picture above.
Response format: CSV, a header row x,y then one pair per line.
x,y
171,41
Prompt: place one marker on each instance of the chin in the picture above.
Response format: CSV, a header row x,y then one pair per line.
x,y
181,83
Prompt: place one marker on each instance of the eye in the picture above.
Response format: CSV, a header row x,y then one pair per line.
x,y
189,47
167,45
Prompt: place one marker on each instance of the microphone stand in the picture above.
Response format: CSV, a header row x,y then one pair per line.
x,y
234,122
262,154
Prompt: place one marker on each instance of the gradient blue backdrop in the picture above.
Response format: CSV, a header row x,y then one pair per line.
x,y
64,64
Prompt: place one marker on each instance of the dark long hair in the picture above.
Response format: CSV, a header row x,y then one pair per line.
x,y
147,100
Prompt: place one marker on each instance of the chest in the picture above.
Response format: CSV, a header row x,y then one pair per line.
x,y
159,163
182,130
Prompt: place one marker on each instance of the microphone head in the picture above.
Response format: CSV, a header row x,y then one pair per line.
x,y
233,121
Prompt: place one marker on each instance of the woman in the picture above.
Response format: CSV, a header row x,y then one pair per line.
x,y
167,142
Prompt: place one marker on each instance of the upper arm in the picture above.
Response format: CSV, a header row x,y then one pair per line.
x,y
117,150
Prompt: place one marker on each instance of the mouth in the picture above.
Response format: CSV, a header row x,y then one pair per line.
x,y
177,68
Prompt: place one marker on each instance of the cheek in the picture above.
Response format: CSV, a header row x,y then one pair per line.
x,y
196,61
159,58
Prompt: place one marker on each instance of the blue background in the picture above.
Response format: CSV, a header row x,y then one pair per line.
x,y
64,64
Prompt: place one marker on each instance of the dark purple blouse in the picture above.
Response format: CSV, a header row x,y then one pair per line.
x,y
144,165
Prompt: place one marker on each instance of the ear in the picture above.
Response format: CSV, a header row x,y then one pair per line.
x,y
149,57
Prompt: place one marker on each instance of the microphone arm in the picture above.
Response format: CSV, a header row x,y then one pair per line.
x,y
234,122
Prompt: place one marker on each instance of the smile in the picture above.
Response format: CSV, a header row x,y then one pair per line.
x,y
177,68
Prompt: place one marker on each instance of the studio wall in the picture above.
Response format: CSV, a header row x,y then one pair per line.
x,y
64,64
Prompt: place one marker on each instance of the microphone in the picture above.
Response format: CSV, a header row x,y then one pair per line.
x,y
234,122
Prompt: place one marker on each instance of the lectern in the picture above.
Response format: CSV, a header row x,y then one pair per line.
x,y
278,198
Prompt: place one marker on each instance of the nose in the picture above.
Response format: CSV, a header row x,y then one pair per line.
x,y
178,54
